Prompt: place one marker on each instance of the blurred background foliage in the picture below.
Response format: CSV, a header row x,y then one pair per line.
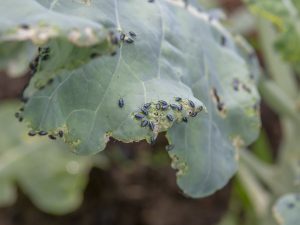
x,y
133,184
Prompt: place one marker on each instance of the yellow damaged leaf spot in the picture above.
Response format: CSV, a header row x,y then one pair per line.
x,y
74,143
74,36
107,135
91,35
238,144
277,216
178,165
38,35
86,38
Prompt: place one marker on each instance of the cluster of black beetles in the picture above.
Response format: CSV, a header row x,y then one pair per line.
x,y
143,114
32,133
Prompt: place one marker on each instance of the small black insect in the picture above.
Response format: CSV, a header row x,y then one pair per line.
x,y
145,111
60,133
151,125
45,57
163,102
180,107
147,105
194,114
129,40
51,137
235,84
24,26
31,133
170,117
139,116
32,72
47,50
32,66
50,81
192,104
220,106
144,123
290,205
164,107
178,99
170,147
223,41
152,140
20,119
94,55
21,109
132,34
246,88
17,114
122,37
157,106
150,1
185,119
173,106
43,133
121,103
24,99
36,60
113,53
114,39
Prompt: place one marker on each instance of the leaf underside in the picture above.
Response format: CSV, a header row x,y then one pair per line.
x,y
177,52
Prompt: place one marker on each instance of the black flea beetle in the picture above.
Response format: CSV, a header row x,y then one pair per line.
x,y
152,140
170,147
180,107
43,133
145,111
129,40
185,119
31,133
132,34
178,99
151,125
139,116
51,137
60,133
164,107
121,102
194,114
144,123
173,106
147,105
170,117
122,37
192,104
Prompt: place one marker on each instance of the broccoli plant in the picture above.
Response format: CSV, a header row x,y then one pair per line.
x,y
130,70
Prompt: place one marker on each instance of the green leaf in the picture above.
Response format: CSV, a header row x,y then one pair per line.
x,y
50,175
35,23
176,53
287,208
